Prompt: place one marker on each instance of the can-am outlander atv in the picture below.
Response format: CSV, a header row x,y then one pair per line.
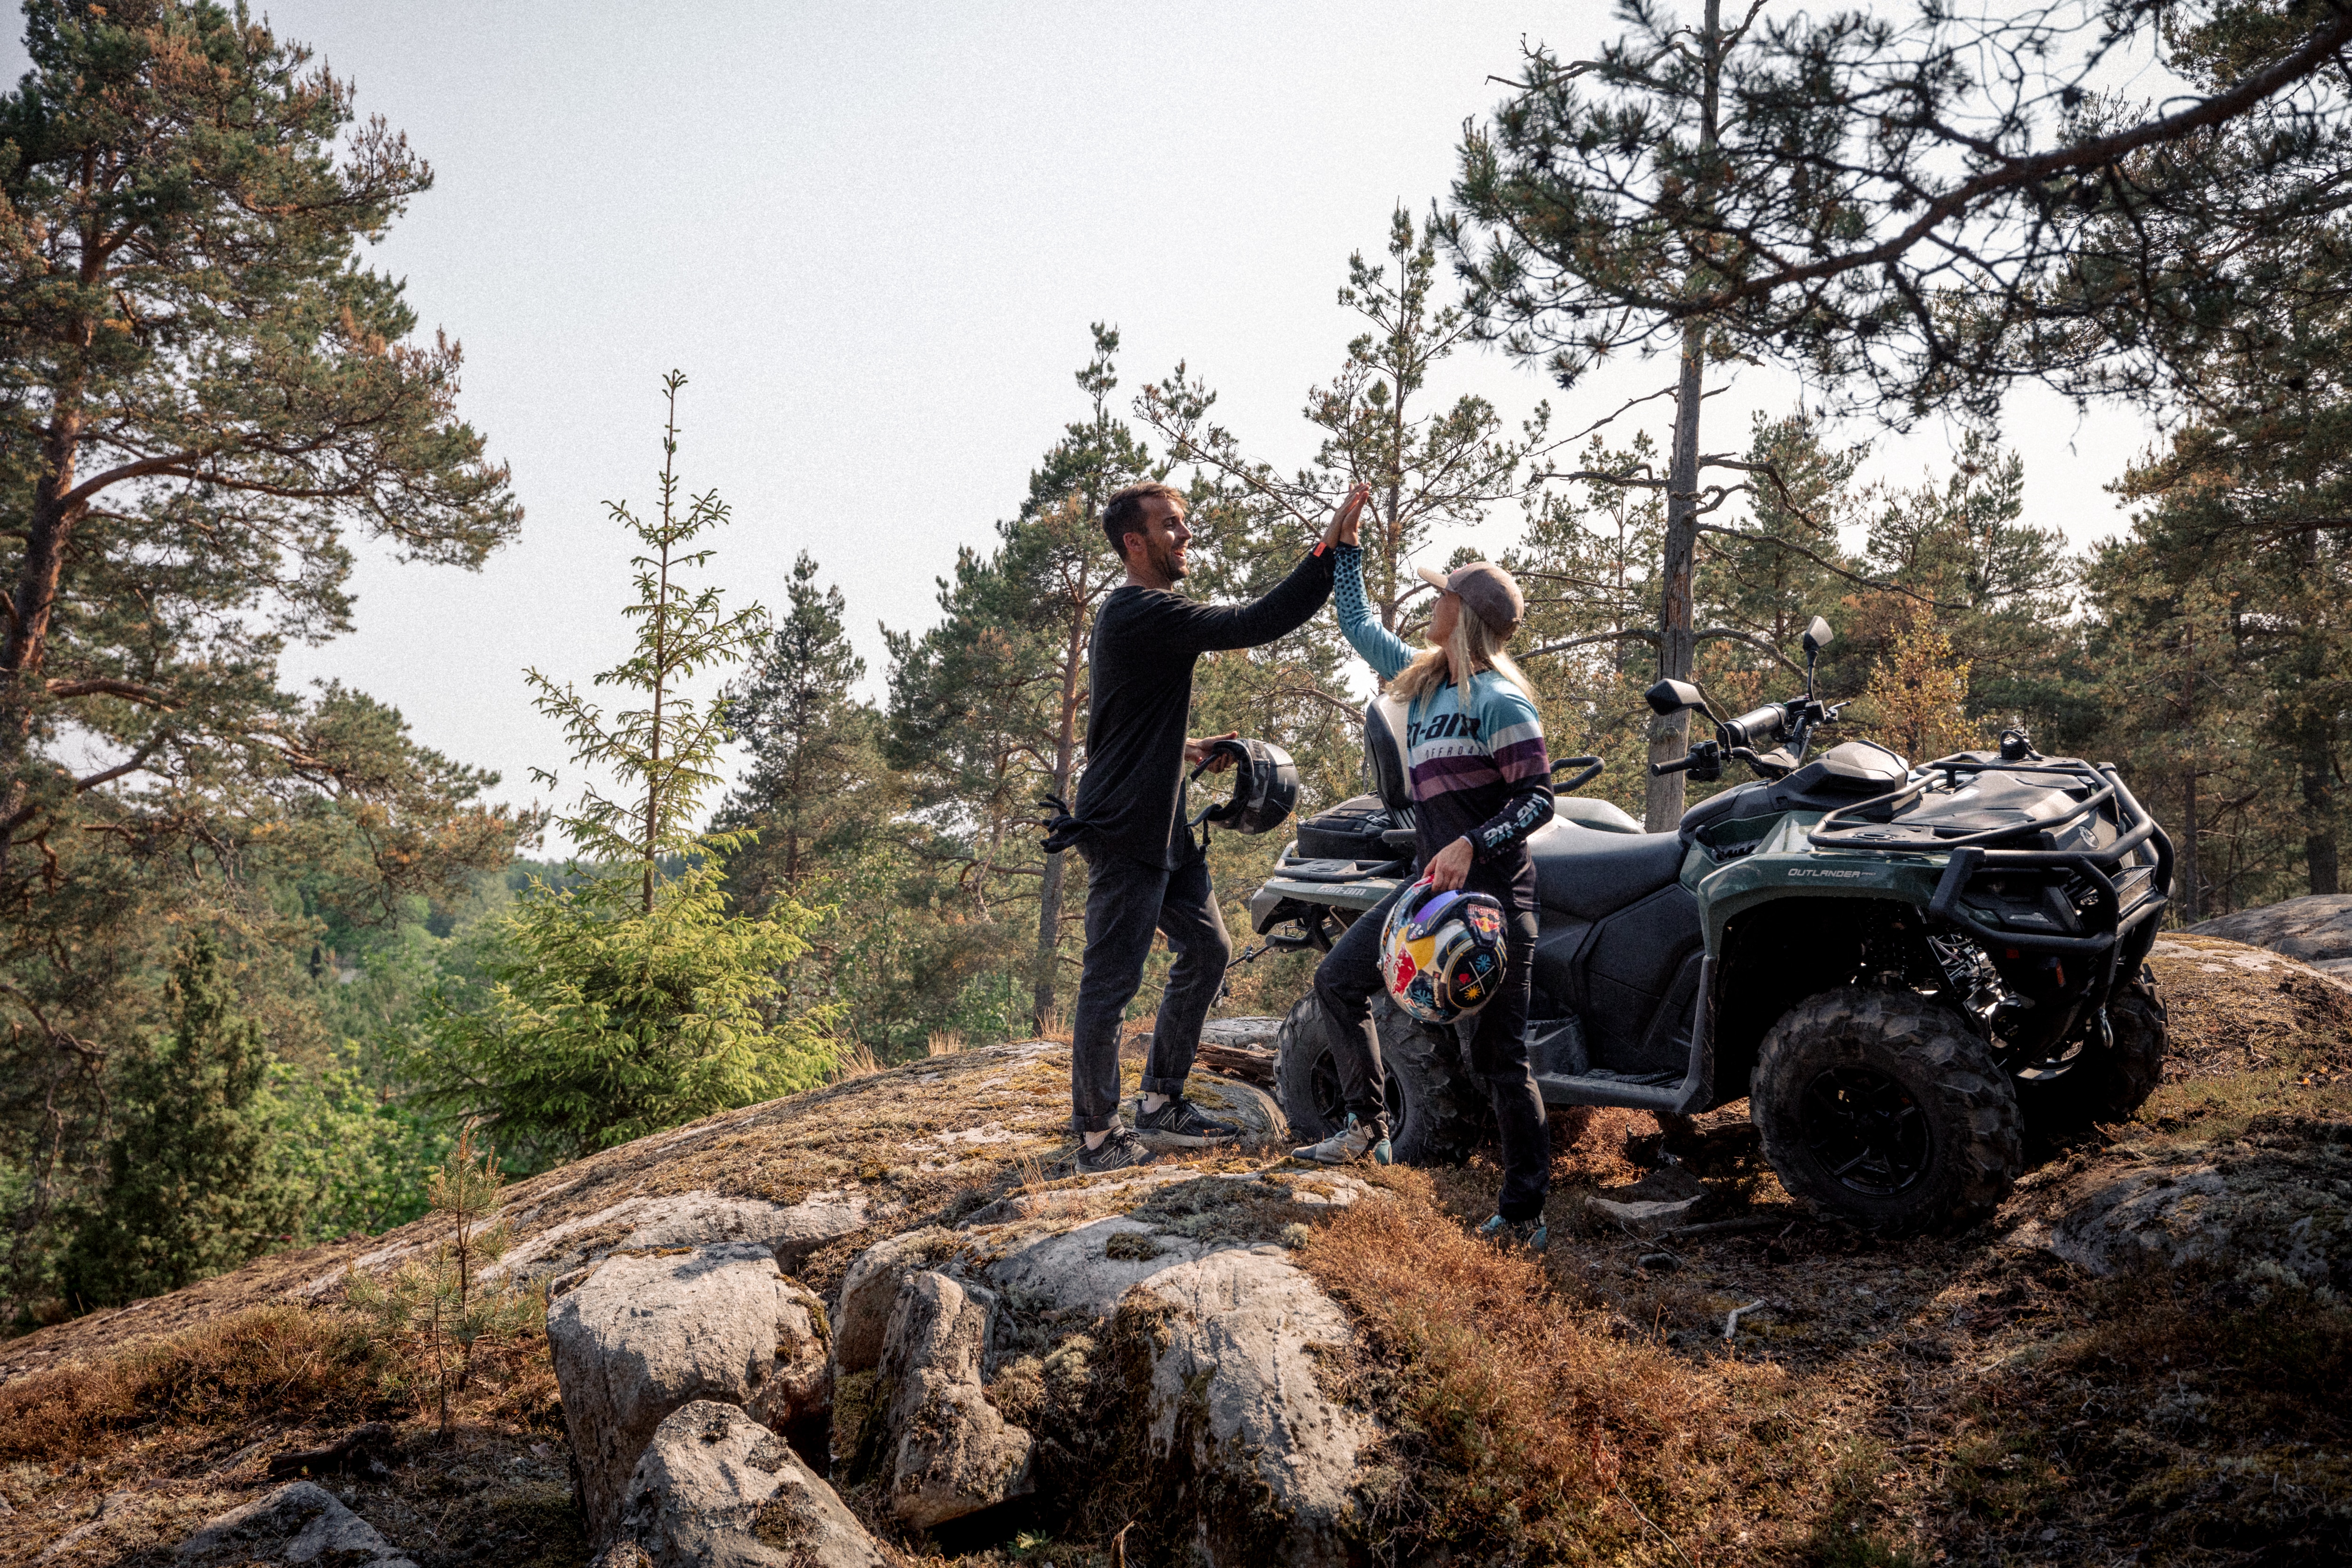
x,y
1903,971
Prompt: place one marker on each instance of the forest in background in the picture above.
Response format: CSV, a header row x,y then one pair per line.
x,y
265,955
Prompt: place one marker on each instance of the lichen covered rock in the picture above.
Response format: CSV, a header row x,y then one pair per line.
x,y
1270,1462
954,1454
2316,930
302,1525
869,1292
714,1489
2270,1213
640,1335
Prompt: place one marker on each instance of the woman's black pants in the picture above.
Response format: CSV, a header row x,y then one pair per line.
x,y
1350,977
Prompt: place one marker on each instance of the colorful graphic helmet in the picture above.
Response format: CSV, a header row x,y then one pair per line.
x,y
1442,954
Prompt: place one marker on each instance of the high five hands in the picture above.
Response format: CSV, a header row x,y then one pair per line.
x,y
1346,521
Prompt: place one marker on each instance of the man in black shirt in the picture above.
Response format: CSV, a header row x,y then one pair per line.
x,y
1144,870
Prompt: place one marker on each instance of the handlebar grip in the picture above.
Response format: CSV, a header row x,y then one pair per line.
x,y
1660,770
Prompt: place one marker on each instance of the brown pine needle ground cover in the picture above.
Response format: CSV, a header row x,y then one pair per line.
x,y
135,1450
1955,1399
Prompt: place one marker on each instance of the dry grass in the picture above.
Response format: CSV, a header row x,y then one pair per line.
x,y
270,1361
115,1459
943,1043
1526,1426
855,1060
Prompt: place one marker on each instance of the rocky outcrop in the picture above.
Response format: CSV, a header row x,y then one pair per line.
x,y
2270,1213
640,1335
1240,1439
954,1454
2316,930
303,1525
1238,1405
714,1489
869,1292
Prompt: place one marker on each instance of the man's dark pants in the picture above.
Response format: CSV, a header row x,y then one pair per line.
x,y
1126,900
1347,980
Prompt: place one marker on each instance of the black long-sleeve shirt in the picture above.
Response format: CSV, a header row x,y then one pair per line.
x,y
1145,642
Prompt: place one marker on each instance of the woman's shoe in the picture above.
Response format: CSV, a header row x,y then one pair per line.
x,y
1348,1145
1531,1234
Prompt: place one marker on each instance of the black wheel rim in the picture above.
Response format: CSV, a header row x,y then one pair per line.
x,y
1323,1094
1866,1131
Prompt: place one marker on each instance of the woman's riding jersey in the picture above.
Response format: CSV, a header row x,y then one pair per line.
x,y
1478,772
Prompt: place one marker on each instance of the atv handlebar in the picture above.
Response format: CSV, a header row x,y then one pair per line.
x,y
1592,766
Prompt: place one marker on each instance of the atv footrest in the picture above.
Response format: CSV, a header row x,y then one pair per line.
x,y
1587,1088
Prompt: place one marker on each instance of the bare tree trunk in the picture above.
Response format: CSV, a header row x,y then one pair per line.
x,y
2318,762
1678,643
2188,859
1049,886
2187,862
1677,623
2319,807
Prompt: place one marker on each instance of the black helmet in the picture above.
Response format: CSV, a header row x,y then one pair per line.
x,y
1265,786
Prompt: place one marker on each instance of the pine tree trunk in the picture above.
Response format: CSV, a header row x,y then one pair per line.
x,y
1677,644
1677,623
2318,806
1049,886
2318,760
2189,902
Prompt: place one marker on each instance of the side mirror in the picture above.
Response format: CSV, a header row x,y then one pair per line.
x,y
1672,697
1818,636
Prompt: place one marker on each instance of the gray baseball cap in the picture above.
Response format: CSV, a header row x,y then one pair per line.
x,y
1487,589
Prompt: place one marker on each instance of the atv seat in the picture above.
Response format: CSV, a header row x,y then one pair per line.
x,y
1587,873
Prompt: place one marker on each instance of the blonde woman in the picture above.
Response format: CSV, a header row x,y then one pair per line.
x,y
1481,783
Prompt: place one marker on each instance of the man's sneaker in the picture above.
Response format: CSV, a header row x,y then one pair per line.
x,y
1117,1152
1348,1145
1179,1124
1531,1234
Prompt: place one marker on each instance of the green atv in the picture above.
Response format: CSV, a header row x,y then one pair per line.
x,y
1905,972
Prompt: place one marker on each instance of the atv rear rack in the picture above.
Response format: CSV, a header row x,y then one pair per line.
x,y
1972,853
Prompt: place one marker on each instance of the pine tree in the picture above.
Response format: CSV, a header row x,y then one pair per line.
x,y
628,1001
817,788
192,1191
1430,468
1914,209
443,1297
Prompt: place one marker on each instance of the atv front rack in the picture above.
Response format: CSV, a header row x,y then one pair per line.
x,y
2105,913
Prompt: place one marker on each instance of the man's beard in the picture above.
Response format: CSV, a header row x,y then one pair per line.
x,y
1170,564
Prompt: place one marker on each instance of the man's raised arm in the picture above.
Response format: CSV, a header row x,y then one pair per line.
x,y
1286,607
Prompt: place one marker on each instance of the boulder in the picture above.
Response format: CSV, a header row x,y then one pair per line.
x,y
1092,1267
641,1334
790,1231
2316,930
954,1454
1272,1461
714,1489
869,1292
299,1524
2268,1212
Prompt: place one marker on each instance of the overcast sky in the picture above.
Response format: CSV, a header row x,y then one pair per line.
x,y
873,236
